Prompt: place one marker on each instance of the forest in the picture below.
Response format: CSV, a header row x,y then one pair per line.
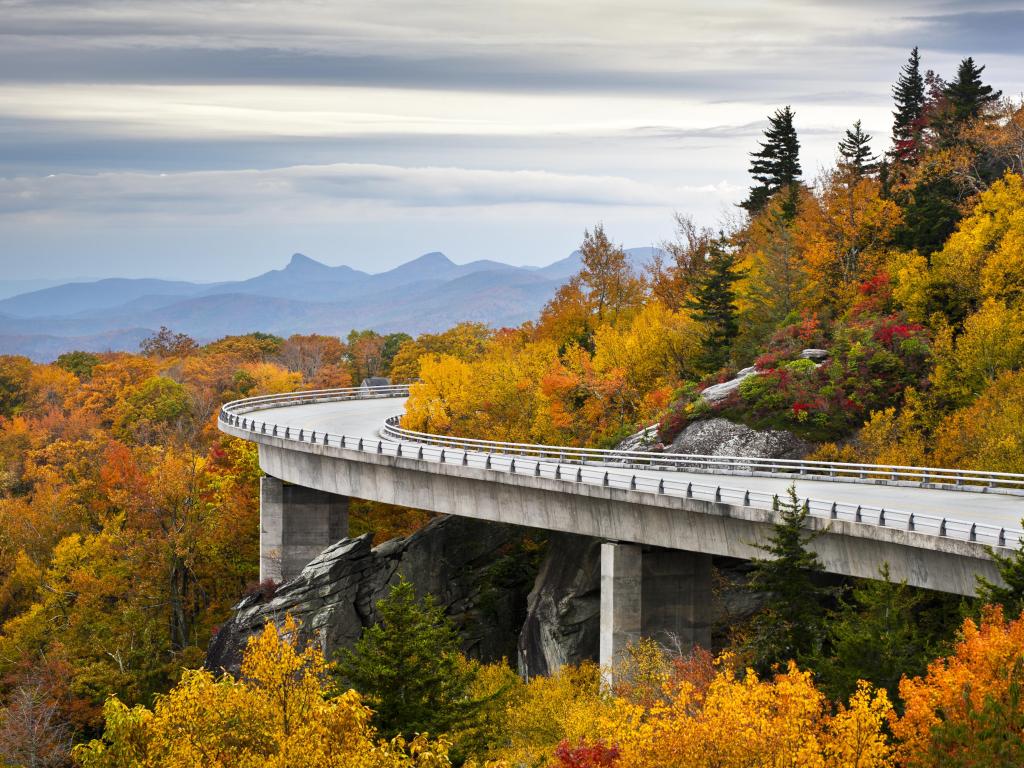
x,y
129,524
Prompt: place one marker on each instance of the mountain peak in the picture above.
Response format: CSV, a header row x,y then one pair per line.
x,y
434,258
301,262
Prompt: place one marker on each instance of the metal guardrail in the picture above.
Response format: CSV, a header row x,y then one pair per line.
x,y
610,468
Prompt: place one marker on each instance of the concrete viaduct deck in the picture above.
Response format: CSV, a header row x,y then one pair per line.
x,y
661,520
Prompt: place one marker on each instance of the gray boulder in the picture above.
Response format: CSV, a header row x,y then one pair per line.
x,y
718,392
457,560
817,355
721,437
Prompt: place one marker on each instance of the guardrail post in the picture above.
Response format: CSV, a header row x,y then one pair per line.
x,y
579,475
558,471
300,434
512,467
287,433
442,455
275,431
856,515
833,513
661,485
910,522
973,535
605,481
1002,537
718,493
632,483
942,527
465,458
419,453
536,468
689,490
487,464
881,517
746,498
360,445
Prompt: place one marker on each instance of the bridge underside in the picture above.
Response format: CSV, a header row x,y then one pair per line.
x,y
656,562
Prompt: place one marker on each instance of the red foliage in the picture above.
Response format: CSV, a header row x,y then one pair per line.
x,y
595,755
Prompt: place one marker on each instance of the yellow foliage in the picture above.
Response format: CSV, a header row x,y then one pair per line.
x,y
277,715
984,258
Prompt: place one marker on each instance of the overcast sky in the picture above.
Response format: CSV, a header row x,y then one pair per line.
x,y
210,139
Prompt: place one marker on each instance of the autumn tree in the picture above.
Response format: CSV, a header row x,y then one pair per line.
x,y
279,713
409,668
607,276
167,343
776,166
672,281
966,710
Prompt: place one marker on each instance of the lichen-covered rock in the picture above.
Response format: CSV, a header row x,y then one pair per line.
x,y
817,355
721,437
563,610
460,561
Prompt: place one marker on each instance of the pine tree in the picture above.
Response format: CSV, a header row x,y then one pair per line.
x,y
791,625
409,668
967,96
776,166
886,631
714,304
908,119
855,149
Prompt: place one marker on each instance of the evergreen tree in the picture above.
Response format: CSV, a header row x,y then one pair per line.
x,y
776,166
409,668
714,304
967,96
791,625
908,119
886,631
1011,571
855,149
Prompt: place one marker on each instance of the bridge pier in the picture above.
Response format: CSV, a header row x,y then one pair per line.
x,y
662,594
296,525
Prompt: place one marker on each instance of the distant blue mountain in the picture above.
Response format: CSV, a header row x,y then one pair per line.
x,y
429,293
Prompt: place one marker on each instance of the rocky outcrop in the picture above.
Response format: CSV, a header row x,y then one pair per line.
x,y
563,609
478,571
721,437
716,393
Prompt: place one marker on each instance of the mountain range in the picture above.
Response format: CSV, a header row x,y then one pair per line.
x,y
428,294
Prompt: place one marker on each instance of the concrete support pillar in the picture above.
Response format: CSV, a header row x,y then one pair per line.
x,y
296,525
621,616
662,594
676,598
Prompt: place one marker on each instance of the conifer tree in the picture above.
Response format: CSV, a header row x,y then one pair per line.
x,y
714,304
967,95
908,119
855,149
409,668
776,166
791,625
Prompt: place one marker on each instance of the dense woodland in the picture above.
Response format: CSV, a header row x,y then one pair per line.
x,y
128,523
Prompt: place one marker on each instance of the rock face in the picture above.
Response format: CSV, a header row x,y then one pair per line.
x,y
718,392
473,568
721,437
817,355
563,610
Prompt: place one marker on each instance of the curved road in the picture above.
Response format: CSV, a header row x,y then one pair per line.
x,y
364,418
